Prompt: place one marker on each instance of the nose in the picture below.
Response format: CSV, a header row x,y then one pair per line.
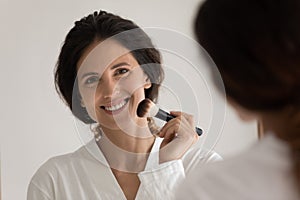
x,y
107,88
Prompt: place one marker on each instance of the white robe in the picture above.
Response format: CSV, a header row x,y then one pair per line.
x,y
85,175
264,172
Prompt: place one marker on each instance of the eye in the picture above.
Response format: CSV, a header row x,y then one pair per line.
x,y
121,71
92,80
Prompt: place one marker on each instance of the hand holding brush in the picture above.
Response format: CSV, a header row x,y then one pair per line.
x,y
147,108
179,133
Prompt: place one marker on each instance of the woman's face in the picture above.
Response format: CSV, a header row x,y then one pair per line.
x,y
111,84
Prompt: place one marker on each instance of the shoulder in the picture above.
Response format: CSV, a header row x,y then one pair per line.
x,y
44,181
54,166
252,170
231,168
203,181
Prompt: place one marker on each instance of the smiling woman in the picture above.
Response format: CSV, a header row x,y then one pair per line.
x,y
113,94
106,67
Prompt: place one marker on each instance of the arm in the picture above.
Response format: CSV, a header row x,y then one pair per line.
x,y
160,181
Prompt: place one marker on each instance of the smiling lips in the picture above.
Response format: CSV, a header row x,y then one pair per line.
x,y
116,108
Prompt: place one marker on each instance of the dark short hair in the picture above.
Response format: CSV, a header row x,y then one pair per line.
x,y
100,26
256,47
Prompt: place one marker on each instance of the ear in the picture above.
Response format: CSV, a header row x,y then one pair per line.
x,y
148,84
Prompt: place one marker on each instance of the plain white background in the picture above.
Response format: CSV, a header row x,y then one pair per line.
x,y
35,124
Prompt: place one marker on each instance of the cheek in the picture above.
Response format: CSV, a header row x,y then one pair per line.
x,y
133,82
131,86
139,94
88,99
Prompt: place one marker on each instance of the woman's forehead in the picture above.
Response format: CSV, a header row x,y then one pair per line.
x,y
99,56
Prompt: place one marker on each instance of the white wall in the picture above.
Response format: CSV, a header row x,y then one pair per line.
x,y
35,125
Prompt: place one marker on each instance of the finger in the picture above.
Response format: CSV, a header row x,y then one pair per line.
x,y
182,114
176,113
171,132
189,117
180,126
182,130
169,136
169,124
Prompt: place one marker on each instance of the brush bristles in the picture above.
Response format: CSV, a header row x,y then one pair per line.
x,y
147,108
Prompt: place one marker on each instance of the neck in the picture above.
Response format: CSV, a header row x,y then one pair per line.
x,y
126,151
281,122
138,140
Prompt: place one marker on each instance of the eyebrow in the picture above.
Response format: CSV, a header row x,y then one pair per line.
x,y
113,67
119,64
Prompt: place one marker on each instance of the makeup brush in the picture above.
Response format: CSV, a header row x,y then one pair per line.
x,y
147,108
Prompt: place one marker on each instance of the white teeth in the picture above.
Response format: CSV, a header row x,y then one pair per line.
x,y
115,107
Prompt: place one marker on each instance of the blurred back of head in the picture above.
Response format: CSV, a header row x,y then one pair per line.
x,y
256,47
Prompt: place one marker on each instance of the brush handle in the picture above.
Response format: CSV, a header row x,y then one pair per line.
x,y
165,116
199,131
